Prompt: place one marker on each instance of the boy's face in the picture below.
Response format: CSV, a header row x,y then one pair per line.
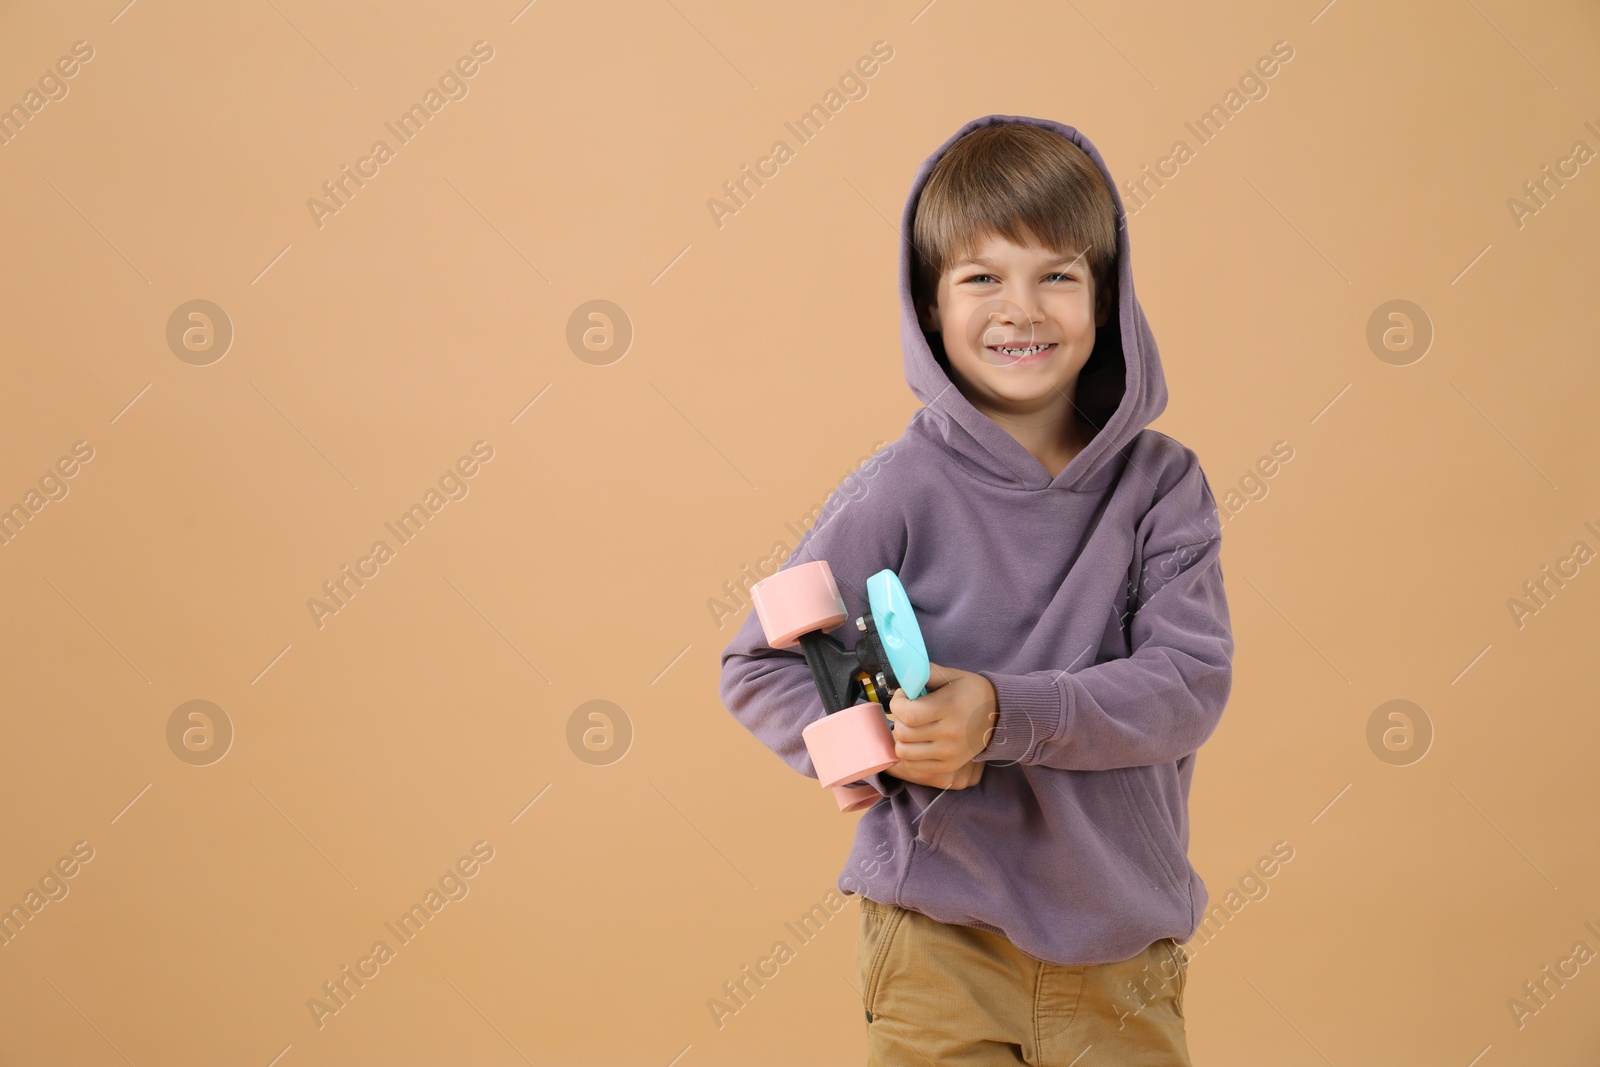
x,y
995,309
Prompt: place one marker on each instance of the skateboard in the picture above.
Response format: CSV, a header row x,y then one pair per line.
x,y
853,739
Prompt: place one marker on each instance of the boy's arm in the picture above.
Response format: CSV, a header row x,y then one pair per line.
x,y
1159,703
770,691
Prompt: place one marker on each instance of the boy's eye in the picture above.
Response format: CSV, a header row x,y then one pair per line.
x,y
984,278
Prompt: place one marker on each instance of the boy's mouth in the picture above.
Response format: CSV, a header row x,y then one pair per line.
x,y
1014,355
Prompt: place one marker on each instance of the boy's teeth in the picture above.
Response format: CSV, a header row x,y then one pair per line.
x,y
1030,350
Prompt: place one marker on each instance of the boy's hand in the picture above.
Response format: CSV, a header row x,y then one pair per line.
x,y
937,735
965,776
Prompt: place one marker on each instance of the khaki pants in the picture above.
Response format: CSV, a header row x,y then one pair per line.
x,y
937,993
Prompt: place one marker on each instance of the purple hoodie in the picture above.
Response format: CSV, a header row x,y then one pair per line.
x,y
1092,600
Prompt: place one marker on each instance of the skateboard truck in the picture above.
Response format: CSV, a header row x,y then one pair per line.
x,y
800,605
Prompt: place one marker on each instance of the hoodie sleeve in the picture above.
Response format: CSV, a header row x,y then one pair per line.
x,y
861,531
1162,701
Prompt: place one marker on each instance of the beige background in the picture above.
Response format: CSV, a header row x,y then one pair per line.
x,y
370,754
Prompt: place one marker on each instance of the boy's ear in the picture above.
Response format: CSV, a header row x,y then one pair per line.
x,y
928,316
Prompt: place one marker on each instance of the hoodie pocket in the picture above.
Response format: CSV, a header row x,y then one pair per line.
x,y
1155,828
931,821
931,824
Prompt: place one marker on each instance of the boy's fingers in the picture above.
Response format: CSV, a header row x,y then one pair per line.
x,y
913,751
906,728
919,712
897,702
939,677
925,752
920,725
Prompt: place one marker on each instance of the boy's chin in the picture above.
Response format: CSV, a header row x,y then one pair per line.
x,y
1016,396
1014,380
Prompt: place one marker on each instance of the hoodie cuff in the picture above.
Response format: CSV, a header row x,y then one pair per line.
x,y
1031,712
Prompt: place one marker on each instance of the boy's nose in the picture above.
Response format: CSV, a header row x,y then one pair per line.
x,y
1021,309
1004,318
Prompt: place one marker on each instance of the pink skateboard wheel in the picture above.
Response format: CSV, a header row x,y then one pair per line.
x,y
797,601
850,744
856,797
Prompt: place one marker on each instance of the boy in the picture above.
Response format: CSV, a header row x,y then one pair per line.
x,y
1025,883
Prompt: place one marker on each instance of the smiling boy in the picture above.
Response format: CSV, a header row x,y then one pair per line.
x,y
1025,882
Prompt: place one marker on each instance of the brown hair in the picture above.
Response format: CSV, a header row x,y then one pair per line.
x,y
1020,181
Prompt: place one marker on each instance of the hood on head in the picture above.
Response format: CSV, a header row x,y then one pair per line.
x,y
1121,389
